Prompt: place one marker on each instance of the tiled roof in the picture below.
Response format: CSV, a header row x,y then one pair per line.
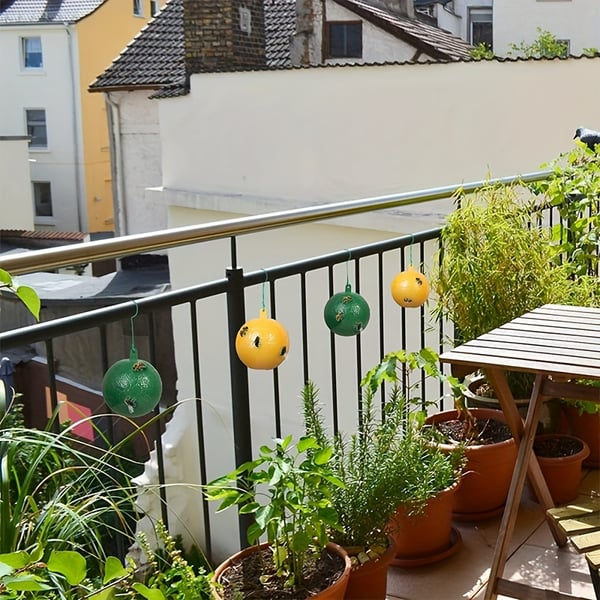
x,y
155,57
45,11
435,42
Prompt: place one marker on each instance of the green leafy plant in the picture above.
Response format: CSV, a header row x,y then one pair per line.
x,y
288,491
496,264
481,52
546,45
573,189
26,294
386,462
63,574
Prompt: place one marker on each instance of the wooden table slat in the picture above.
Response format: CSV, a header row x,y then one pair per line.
x,y
586,541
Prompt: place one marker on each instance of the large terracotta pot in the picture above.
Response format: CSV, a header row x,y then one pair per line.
x,y
333,592
562,473
488,471
426,536
370,579
586,427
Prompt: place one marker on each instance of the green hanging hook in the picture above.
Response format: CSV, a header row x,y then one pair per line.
x,y
133,355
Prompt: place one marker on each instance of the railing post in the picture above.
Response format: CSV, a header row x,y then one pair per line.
x,y
240,395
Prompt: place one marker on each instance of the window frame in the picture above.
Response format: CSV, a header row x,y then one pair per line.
x,y
154,7
39,200
30,123
24,40
138,8
329,25
473,12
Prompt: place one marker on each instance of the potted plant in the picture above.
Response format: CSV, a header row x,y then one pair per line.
x,y
367,464
560,457
288,491
582,419
424,478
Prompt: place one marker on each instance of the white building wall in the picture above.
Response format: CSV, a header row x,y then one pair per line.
x,y
50,88
136,164
246,143
16,202
454,17
576,20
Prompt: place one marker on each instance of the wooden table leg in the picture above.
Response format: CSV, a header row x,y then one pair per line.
x,y
498,380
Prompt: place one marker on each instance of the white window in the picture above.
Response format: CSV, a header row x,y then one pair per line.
x,y
42,197
137,8
154,7
480,26
36,127
31,53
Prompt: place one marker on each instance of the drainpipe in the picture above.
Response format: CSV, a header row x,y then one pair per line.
x,y
81,200
113,113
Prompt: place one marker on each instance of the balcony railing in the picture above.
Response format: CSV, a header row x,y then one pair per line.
x,y
256,404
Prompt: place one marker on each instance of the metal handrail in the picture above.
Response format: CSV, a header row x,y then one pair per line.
x,y
52,258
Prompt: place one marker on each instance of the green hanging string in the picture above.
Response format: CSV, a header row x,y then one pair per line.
x,y
264,285
133,351
348,287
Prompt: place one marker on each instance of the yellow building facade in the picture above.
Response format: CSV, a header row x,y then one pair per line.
x,y
101,36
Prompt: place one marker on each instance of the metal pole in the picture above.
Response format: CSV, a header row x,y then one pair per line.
x,y
240,395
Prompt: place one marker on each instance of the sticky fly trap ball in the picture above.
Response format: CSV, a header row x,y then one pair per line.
x,y
132,387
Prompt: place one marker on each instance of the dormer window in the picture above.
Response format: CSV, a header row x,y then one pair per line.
x,y
344,39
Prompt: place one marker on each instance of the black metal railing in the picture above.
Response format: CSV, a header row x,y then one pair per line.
x,y
291,290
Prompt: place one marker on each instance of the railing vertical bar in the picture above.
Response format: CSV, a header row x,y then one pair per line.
x,y
380,304
304,313
358,345
403,333
110,429
160,458
200,423
332,354
422,326
52,382
276,387
240,394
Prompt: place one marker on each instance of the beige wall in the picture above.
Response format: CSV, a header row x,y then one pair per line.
x,y
16,201
326,134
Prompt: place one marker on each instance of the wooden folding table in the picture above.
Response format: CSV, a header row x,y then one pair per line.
x,y
558,344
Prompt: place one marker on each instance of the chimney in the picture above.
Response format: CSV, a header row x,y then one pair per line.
x,y
223,35
305,48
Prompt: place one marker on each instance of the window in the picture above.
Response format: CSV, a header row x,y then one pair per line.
x,y
137,8
36,128
480,27
154,7
42,197
344,39
31,52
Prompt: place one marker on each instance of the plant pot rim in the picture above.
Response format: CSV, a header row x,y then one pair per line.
x,y
332,547
480,413
581,455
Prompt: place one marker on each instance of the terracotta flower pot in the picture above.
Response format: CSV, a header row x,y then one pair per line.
x,y
562,473
488,471
335,591
586,427
370,579
427,536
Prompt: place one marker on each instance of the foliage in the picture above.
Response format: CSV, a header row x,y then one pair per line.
x,y
496,264
386,463
62,574
26,294
481,52
573,189
546,45
295,484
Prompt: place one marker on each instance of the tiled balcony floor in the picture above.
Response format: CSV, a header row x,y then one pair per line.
x,y
534,558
